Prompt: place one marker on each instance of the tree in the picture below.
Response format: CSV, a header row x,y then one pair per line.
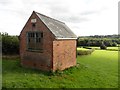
x,y
10,44
102,46
114,44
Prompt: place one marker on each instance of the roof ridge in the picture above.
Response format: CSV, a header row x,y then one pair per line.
x,y
49,17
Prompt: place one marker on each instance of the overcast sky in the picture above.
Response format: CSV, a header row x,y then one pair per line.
x,y
83,17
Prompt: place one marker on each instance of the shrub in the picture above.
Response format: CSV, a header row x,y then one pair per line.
x,y
85,52
10,44
84,46
103,46
114,44
87,47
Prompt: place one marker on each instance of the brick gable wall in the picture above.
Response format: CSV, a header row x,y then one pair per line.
x,y
36,59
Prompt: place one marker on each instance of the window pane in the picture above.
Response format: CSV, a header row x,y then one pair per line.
x,y
28,39
41,34
31,34
36,34
39,39
28,34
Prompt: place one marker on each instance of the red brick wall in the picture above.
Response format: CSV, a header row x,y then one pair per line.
x,y
64,54
36,59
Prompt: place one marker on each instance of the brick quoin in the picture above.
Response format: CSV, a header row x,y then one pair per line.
x,y
57,54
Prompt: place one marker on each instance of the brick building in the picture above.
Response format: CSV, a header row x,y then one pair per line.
x,y
47,44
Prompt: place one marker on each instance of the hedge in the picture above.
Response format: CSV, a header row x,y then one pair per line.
x,y
85,52
10,44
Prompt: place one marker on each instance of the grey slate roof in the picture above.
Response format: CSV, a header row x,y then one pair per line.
x,y
58,28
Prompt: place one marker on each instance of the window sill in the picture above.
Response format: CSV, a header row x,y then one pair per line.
x,y
39,51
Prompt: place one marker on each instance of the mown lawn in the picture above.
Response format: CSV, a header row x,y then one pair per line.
x,y
82,49
108,48
98,70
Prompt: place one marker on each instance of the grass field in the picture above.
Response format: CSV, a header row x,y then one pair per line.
x,y
108,48
82,49
98,70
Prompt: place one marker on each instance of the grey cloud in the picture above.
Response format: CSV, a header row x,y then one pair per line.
x,y
70,17
58,10
5,2
62,12
73,19
77,19
93,12
15,12
89,12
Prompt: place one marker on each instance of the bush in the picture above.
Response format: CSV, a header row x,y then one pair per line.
x,y
103,46
85,52
114,44
10,44
87,47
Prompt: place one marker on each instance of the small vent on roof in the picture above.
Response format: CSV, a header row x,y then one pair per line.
x,y
33,20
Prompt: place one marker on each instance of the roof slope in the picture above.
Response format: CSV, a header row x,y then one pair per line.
x,y
58,28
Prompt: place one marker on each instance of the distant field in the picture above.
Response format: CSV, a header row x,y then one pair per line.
x,y
108,48
82,49
98,70
115,48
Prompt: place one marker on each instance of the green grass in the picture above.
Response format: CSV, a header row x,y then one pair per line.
x,y
97,48
108,48
98,70
82,49
113,48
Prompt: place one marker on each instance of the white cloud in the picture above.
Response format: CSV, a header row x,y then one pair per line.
x,y
84,17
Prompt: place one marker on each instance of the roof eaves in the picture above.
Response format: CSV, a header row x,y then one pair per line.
x,y
65,38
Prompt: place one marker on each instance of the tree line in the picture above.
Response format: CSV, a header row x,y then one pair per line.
x,y
108,40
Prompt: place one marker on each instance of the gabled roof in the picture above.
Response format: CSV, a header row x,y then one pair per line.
x,y
58,28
